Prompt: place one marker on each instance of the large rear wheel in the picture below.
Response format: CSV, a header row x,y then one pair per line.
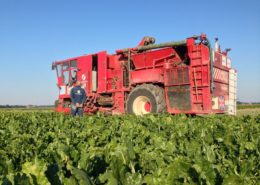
x,y
146,98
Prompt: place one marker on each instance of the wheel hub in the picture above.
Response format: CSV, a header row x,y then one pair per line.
x,y
142,105
147,107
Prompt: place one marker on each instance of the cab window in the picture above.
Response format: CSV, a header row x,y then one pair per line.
x,y
65,66
65,77
59,70
73,63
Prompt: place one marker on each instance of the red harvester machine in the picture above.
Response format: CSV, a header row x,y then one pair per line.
x,y
175,77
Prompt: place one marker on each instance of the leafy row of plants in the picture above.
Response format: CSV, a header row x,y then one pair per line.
x,y
49,148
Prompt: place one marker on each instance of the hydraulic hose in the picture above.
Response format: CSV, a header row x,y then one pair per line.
x,y
154,46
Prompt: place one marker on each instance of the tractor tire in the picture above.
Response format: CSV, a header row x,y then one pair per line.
x,y
144,99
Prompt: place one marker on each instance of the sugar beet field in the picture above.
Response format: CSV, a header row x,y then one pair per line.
x,y
42,147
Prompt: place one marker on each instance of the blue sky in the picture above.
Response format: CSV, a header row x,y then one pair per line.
x,y
35,33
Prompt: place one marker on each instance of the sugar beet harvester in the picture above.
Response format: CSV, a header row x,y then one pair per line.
x,y
176,77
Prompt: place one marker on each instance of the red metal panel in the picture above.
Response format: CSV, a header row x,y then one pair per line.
x,y
177,89
177,76
84,73
146,59
221,89
200,77
204,75
114,80
220,75
114,62
221,80
221,60
148,75
119,103
102,72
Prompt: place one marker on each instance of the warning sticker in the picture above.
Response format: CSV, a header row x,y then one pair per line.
x,y
221,102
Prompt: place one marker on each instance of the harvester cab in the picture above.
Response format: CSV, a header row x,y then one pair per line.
x,y
66,72
66,76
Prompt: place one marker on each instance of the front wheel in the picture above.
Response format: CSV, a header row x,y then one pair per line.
x,y
144,99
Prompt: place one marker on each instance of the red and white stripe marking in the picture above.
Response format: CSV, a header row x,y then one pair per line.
x,y
220,75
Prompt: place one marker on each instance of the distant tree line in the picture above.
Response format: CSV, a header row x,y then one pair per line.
x,y
12,106
25,106
240,102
